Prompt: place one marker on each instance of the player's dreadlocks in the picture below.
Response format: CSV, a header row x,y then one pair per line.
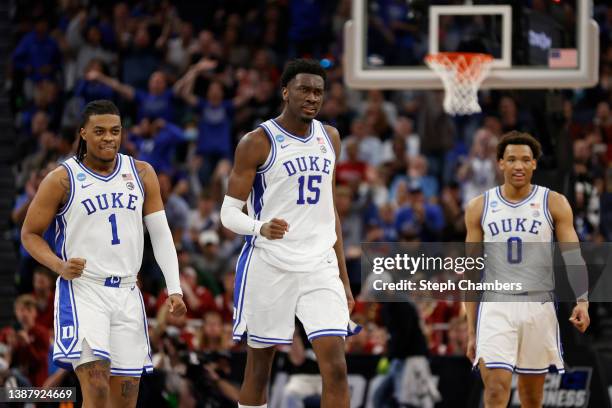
x,y
98,107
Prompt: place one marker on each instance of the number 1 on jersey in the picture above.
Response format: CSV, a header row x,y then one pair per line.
x,y
113,221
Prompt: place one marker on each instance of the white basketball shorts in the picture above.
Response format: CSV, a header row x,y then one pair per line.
x,y
267,300
110,318
522,337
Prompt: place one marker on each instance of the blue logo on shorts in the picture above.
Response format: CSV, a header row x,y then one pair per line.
x,y
280,138
81,176
112,281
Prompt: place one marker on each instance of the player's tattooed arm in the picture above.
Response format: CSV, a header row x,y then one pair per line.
x,y
150,183
52,193
64,181
142,171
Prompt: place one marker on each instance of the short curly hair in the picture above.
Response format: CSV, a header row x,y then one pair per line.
x,y
302,66
515,137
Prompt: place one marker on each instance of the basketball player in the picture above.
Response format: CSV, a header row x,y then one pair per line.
x,y
292,263
97,200
520,332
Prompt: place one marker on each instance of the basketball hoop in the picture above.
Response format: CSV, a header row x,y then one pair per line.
x,y
461,73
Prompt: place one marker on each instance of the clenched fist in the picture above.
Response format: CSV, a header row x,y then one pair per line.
x,y
72,268
274,229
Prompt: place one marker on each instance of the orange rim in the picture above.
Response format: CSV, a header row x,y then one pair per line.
x,y
451,58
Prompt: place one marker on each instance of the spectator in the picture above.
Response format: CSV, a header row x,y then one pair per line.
x,y
156,102
26,262
370,147
177,210
89,89
216,112
510,116
140,62
177,48
155,141
437,132
169,325
457,336
404,131
451,202
199,299
416,175
478,173
586,211
421,220
304,378
45,98
383,229
29,342
207,262
405,341
205,216
43,293
225,300
88,48
352,171
352,224
210,337
38,54
375,101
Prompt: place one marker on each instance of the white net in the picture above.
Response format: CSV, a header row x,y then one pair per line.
x,y
461,74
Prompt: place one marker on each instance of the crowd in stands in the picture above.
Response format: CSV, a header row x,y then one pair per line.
x,y
190,81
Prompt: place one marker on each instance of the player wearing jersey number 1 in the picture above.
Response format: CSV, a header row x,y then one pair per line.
x,y
292,263
99,201
513,333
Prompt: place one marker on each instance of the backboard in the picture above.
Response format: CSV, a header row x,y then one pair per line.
x,y
535,43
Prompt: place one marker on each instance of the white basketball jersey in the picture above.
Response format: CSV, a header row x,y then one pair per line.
x,y
102,219
518,239
295,184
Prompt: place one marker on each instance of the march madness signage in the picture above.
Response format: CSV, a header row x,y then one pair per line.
x,y
567,390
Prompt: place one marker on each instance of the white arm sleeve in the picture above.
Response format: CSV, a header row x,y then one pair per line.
x,y
164,250
235,220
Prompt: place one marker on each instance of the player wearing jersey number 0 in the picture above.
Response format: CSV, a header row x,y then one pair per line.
x,y
97,200
514,332
292,263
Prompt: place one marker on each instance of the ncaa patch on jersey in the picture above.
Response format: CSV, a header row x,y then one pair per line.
x,y
129,185
81,176
493,204
280,138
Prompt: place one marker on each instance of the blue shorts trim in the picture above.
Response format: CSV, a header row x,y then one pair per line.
x,y
260,338
270,342
327,333
242,269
